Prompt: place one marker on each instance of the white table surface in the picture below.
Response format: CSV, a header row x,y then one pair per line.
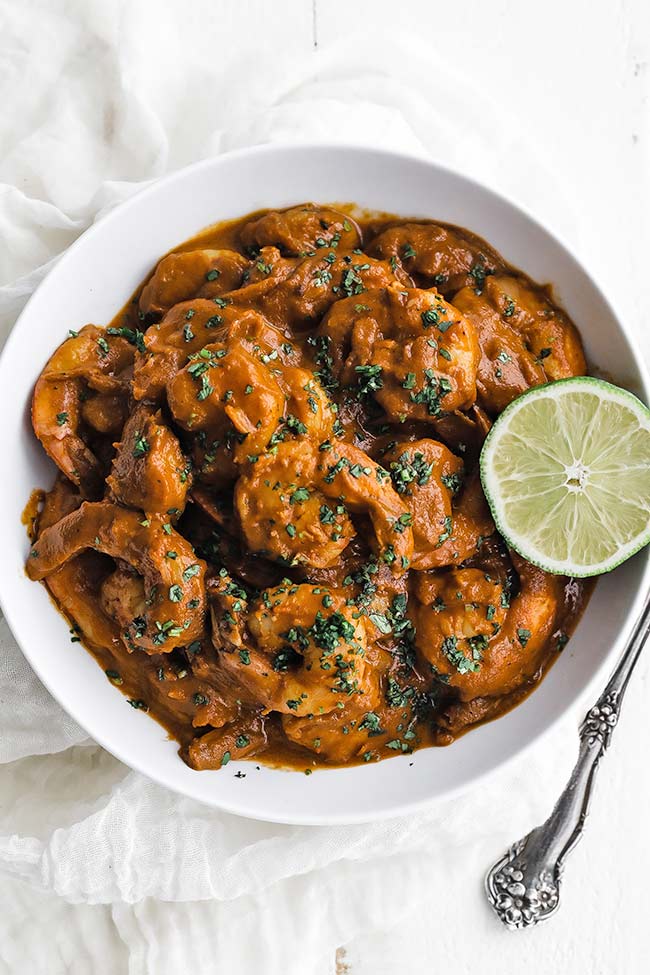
x,y
576,73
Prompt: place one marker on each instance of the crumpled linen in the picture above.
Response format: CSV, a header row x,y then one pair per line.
x,y
122,874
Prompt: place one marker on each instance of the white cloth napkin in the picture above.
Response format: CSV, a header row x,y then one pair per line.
x,y
121,874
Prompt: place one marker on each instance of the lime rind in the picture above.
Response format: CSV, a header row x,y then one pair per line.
x,y
523,471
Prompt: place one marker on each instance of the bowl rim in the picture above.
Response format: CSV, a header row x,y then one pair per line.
x,y
245,808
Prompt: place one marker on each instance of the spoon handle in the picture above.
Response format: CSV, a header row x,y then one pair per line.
x,y
523,886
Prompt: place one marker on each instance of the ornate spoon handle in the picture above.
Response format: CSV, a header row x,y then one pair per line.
x,y
523,886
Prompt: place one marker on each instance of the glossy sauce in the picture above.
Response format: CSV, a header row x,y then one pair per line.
x,y
411,701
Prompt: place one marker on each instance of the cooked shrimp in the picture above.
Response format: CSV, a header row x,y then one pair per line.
x,y
284,515
106,413
306,652
74,586
340,735
172,577
524,341
313,413
471,523
350,476
413,351
94,360
449,518
321,402
445,257
481,641
202,273
318,282
225,384
150,471
236,740
190,326
59,501
551,337
300,230
340,472
184,330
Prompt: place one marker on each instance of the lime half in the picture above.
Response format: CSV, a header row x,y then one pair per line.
x,y
566,472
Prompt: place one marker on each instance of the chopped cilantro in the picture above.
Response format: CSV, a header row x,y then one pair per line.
x,y
369,379
131,335
141,447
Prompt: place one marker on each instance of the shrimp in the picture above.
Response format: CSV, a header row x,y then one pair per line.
x,y
225,384
284,515
524,340
445,257
169,589
191,325
301,230
90,360
150,471
267,271
202,273
106,413
75,586
279,499
551,337
60,500
446,529
308,404
351,477
483,642
234,740
413,351
318,282
165,347
341,735
305,653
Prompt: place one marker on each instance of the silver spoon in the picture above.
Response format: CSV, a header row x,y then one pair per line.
x,y
523,886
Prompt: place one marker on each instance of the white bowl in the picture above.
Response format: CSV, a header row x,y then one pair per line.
x,y
94,279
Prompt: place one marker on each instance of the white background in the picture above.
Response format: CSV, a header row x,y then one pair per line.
x,y
574,76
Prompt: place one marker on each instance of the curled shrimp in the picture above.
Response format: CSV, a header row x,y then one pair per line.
x,y
480,639
302,652
150,471
166,589
204,273
284,515
351,477
90,361
191,325
294,503
524,340
449,516
302,229
445,257
413,351
550,336
226,384
317,282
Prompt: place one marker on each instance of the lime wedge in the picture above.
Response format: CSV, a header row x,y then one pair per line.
x,y
566,472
